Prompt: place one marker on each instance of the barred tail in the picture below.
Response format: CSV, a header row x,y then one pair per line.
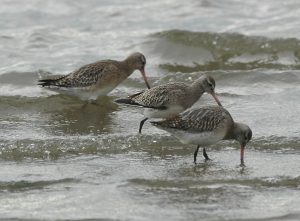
x,y
130,101
47,82
126,101
156,123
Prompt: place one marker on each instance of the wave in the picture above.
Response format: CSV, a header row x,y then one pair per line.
x,y
271,182
187,51
31,185
287,217
54,148
23,84
276,143
32,219
58,147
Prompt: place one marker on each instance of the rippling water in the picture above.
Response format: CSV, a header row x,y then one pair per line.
x,y
61,159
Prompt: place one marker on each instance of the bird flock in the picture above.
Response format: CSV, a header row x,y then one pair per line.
x,y
171,103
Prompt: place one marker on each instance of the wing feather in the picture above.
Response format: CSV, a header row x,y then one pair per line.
x,y
197,120
85,76
161,96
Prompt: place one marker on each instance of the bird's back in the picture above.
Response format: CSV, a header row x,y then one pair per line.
x,y
85,76
203,126
198,120
162,95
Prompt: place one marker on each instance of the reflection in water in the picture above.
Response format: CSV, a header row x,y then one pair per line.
x,y
83,118
202,168
243,169
59,117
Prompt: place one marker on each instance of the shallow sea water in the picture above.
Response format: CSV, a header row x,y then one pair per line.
x,y
63,160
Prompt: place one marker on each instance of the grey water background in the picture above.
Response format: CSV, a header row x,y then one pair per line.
x,y
61,160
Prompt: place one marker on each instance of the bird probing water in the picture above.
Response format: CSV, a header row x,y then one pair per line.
x,y
206,126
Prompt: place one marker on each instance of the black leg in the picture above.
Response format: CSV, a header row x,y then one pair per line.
x,y
195,154
205,154
141,124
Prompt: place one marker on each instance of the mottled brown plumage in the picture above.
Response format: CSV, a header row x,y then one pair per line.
x,y
205,126
176,93
166,100
98,78
198,120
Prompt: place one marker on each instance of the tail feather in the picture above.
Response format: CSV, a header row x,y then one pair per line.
x,y
54,81
132,102
137,94
46,82
174,121
156,123
127,101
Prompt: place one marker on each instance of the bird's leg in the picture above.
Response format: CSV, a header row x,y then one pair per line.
x,y
141,124
195,154
205,154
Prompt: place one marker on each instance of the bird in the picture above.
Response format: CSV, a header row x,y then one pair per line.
x,y
98,78
169,99
205,126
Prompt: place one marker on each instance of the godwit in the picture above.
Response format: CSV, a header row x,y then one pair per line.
x,y
166,100
206,126
99,78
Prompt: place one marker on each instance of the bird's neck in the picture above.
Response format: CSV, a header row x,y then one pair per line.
x,y
197,88
127,66
195,92
233,132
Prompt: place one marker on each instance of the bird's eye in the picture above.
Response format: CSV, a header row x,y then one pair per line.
x,y
143,60
211,85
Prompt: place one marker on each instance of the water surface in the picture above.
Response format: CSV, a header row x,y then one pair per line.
x,y
61,159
